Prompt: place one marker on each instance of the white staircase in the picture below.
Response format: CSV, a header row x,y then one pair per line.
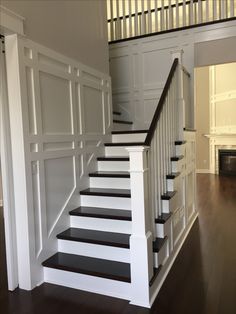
x,y
118,244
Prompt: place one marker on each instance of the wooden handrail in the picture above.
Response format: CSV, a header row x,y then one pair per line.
x,y
161,102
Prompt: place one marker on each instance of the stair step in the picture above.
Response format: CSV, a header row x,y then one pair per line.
x,y
125,144
172,175
158,244
110,174
177,158
129,132
122,122
168,195
96,237
155,274
162,218
89,266
113,158
180,142
116,113
103,213
106,192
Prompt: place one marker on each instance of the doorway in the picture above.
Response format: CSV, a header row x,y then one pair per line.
x,y
215,104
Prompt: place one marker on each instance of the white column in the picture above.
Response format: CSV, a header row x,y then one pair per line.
x,y
141,238
181,103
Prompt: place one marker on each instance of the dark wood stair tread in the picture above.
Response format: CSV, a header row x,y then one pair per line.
x,y
168,195
122,121
102,213
155,274
113,158
172,175
96,237
180,142
89,266
125,144
106,192
110,174
116,113
177,158
163,218
158,244
129,132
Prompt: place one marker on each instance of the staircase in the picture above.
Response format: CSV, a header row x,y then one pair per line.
x,y
96,253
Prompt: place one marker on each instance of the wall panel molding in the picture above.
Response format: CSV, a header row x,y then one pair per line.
x,y
65,112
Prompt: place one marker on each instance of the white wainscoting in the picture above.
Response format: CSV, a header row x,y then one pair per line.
x,y
60,115
139,68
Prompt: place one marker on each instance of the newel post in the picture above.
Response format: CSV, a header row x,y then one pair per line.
x,y
141,258
181,102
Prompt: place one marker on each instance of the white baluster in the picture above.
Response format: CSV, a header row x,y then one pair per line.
x,y
231,8
118,24
124,19
207,11
177,13
199,11
112,20
214,3
143,26
162,15
136,19
191,12
149,17
156,16
184,12
130,19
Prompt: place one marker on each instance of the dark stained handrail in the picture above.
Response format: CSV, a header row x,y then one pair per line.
x,y
161,103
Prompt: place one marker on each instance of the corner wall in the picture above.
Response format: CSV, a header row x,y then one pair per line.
x,y
77,29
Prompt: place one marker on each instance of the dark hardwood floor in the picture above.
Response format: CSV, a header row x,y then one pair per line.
x,y
201,281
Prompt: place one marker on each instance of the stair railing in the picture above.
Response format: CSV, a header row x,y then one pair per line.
x,y
163,132
130,18
149,165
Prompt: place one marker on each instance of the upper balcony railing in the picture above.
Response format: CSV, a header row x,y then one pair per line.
x,y
133,18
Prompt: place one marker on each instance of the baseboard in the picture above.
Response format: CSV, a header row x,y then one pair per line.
x,y
167,267
203,171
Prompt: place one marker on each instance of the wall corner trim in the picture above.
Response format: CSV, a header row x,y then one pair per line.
x,y
11,22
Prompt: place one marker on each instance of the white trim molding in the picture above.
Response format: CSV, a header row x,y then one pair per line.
x,y
203,171
11,22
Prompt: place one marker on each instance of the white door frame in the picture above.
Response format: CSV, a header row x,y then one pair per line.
x,y
10,23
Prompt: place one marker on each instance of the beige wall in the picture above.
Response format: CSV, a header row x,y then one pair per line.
x,y
77,29
202,116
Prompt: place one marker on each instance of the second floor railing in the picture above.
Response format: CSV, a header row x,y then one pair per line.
x,y
131,18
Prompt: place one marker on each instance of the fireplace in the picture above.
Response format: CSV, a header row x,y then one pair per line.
x,y
227,162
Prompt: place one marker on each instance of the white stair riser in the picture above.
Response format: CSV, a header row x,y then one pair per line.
x,y
112,183
171,205
177,166
113,288
180,149
170,185
113,165
173,184
163,230
123,138
109,225
106,202
161,257
121,126
94,250
116,151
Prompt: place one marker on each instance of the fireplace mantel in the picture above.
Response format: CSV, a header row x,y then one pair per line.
x,y
219,141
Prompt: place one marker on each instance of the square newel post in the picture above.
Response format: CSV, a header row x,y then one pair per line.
x,y
141,254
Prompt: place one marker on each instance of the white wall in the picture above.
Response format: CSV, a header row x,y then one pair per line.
x,y
60,115
139,67
77,29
